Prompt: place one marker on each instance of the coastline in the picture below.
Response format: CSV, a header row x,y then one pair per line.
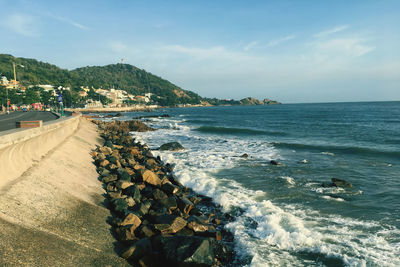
x,y
110,110
156,219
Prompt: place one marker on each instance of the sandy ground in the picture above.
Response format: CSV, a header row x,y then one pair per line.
x,y
53,215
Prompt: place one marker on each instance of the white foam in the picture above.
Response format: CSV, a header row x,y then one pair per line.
x,y
328,153
339,199
279,232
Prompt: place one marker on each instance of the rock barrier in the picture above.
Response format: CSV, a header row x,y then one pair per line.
x,y
157,220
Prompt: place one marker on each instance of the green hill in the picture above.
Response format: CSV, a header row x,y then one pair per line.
x,y
119,76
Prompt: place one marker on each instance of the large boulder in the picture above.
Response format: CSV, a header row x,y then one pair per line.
x,y
197,224
132,191
138,250
173,146
132,219
188,251
151,178
169,224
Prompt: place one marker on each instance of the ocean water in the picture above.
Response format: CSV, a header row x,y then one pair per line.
x,y
284,217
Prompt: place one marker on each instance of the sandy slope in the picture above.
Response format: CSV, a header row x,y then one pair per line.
x,y
53,215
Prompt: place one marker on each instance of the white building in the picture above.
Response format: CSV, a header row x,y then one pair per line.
x,y
4,81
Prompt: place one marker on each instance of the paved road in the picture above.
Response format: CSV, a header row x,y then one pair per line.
x,y
7,122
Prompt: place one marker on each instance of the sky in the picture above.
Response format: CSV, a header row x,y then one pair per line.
x,y
291,51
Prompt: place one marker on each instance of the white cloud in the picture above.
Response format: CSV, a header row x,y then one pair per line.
x,y
22,24
250,46
196,51
344,47
117,46
331,31
69,21
280,40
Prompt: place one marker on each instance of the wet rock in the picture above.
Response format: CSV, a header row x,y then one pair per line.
x,y
173,146
168,167
169,203
158,194
187,250
111,188
186,231
104,163
123,174
121,184
151,260
130,201
112,159
151,163
185,205
132,219
106,150
132,191
126,233
224,252
143,208
274,162
169,224
109,178
104,172
341,183
151,178
135,151
155,213
138,250
146,231
337,183
197,224
148,154
170,189
120,205
115,195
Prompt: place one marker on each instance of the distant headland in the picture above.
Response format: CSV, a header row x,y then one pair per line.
x,y
26,81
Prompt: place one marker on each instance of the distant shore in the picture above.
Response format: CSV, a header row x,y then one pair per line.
x,y
115,109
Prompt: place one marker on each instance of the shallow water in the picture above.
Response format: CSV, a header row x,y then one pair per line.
x,y
284,215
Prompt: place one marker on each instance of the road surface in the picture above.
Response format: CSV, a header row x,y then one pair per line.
x,y
7,122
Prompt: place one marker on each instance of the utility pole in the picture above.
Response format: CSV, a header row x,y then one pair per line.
x,y
15,76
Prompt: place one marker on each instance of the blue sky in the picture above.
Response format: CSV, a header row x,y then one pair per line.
x,y
291,51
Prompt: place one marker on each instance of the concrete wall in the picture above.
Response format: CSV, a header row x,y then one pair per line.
x,y
20,149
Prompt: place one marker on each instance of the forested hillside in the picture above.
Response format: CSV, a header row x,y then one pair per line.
x,y
119,76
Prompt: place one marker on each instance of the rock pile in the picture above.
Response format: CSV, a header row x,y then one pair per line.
x,y
157,220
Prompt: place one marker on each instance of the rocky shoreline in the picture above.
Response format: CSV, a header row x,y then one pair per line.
x,y
157,220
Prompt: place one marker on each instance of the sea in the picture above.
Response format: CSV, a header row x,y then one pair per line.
x,y
284,214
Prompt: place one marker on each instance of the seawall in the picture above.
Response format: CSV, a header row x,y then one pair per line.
x,y
20,149
53,214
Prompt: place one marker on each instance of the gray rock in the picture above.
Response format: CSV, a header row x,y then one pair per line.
x,y
188,250
197,224
169,224
170,189
132,191
138,250
173,146
341,183
158,194
170,203
109,178
185,205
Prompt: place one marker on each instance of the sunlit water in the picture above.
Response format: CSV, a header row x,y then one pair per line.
x,y
284,216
